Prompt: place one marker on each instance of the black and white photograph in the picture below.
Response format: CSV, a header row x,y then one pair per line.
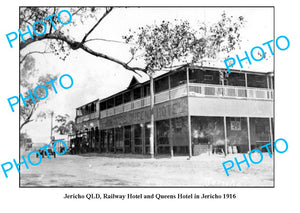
x,y
149,106
140,96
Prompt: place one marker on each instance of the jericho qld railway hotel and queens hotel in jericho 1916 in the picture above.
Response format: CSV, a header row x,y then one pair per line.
x,y
199,108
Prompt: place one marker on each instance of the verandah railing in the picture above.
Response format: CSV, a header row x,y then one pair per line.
x,y
196,90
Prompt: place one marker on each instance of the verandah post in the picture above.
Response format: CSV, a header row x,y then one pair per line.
x,y
225,136
189,117
151,115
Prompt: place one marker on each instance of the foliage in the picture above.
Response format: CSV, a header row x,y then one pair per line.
x,y
56,45
29,79
66,126
160,45
24,139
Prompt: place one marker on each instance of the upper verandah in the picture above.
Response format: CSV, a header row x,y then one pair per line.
x,y
178,77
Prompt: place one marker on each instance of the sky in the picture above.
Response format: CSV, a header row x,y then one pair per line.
x,y
98,78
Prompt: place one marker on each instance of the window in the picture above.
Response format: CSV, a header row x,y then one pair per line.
x,y
161,84
147,133
235,124
162,132
208,77
178,78
79,112
137,134
137,93
103,106
146,89
204,76
259,81
235,79
119,100
127,138
119,138
93,108
127,96
110,103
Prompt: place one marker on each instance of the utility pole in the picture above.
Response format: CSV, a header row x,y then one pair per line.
x,y
51,113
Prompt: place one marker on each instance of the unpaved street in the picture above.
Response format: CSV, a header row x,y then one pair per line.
x,y
104,170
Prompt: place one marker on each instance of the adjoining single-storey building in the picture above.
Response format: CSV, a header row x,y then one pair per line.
x,y
204,106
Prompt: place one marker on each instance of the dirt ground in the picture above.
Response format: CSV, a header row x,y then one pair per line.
x,y
119,170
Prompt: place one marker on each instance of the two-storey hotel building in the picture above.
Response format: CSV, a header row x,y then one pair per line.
x,y
195,107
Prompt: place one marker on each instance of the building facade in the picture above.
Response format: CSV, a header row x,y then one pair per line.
x,y
197,108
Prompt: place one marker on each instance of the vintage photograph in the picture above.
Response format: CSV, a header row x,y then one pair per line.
x,y
143,97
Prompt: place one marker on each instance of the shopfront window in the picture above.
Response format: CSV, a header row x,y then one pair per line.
x,y
103,141
119,139
127,139
207,130
260,131
110,139
137,129
179,132
162,135
237,133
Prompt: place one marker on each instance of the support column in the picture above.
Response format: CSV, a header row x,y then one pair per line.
x,y
170,123
171,138
123,138
225,136
271,134
114,140
151,116
248,130
189,117
143,139
132,138
246,85
155,139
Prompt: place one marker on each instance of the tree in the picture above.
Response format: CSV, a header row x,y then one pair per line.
x,y
60,43
28,81
25,139
66,126
160,45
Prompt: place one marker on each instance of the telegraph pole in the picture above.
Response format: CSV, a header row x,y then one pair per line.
x,y
51,113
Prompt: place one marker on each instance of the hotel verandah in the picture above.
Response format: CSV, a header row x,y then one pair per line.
x,y
237,108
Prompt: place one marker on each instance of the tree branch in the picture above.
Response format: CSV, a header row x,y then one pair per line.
x,y
54,12
80,8
123,64
108,10
78,45
40,52
28,119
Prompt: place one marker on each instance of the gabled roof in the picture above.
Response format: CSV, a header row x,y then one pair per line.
x,y
133,82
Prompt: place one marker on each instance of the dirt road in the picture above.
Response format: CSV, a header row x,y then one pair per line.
x,y
104,170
